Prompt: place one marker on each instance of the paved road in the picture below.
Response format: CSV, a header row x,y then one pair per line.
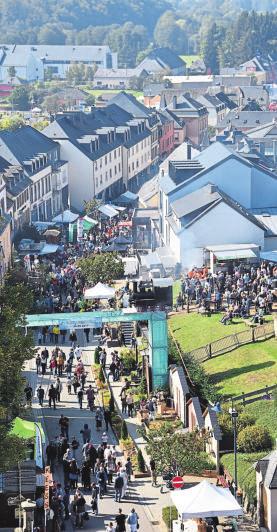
x,y
138,492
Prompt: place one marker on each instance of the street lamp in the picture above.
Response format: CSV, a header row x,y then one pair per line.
x,y
234,414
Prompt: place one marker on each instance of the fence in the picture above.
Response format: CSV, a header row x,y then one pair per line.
x,y
228,343
251,397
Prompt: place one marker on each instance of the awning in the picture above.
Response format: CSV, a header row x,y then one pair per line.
x,y
108,211
205,500
234,251
127,197
47,249
66,217
90,221
99,291
270,256
116,207
28,430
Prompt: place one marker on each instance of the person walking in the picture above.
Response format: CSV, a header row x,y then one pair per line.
x,y
153,470
107,419
59,388
80,396
120,519
85,475
132,520
118,487
40,395
87,331
129,468
60,364
98,419
130,404
64,425
86,433
38,363
51,454
44,356
73,474
74,446
94,498
90,397
28,394
68,384
52,396
75,384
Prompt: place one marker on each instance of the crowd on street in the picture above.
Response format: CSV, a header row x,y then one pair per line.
x,y
235,292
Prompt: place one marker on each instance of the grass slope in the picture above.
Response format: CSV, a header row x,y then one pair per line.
x,y
245,369
192,330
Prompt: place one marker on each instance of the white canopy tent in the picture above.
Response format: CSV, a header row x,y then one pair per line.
x,y
205,500
99,291
66,217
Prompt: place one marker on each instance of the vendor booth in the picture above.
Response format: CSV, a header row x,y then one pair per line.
x,y
33,432
99,291
205,500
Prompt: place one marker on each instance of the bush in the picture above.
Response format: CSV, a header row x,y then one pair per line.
x,y
141,462
245,420
101,375
124,431
252,439
169,513
142,387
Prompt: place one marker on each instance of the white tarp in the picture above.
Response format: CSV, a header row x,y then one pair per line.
x,y
108,211
205,500
66,217
99,291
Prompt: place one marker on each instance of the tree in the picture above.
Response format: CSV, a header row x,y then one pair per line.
x,y
127,41
176,450
52,104
15,349
11,122
20,97
141,462
91,206
51,34
209,49
76,73
168,33
105,267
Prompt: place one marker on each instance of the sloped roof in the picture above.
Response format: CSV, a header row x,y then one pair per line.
x,y
26,142
17,54
130,104
265,130
267,466
225,99
167,57
246,119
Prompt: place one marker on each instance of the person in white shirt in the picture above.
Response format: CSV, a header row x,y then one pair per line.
x,y
78,352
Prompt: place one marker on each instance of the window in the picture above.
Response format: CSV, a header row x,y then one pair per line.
x,y
118,151
133,166
106,160
110,173
110,157
95,165
114,154
119,167
115,170
106,175
100,163
101,180
96,182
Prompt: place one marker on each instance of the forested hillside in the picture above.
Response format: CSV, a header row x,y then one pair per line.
x,y
221,29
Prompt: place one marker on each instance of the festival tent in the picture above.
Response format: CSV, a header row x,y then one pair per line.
x,y
108,211
66,217
29,430
205,500
115,248
122,240
99,291
127,197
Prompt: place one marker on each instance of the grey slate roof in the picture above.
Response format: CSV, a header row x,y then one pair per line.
x,y
246,119
18,54
167,57
267,466
225,99
198,412
26,143
215,426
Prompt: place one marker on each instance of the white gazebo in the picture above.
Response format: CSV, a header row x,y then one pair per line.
x,y
99,291
66,217
205,500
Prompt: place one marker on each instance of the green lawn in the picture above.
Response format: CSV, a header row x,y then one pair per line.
x,y
193,330
264,413
245,369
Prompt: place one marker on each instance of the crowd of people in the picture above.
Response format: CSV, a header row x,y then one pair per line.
x,y
236,292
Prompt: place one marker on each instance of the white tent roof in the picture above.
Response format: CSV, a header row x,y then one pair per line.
x,y
205,500
66,217
99,291
108,211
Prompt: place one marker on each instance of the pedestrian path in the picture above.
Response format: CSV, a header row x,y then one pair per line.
x,y
138,493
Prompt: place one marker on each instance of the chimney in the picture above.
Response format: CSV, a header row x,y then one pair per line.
x,y
174,102
188,152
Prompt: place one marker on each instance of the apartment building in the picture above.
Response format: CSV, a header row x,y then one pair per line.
x,y
36,178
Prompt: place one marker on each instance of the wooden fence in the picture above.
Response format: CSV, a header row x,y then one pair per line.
x,y
228,343
256,395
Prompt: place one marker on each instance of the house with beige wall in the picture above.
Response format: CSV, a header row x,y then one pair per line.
x,y
266,483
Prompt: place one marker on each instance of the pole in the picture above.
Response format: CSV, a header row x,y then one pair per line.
x,y
235,455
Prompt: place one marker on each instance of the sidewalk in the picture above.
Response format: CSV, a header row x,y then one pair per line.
x,y
139,494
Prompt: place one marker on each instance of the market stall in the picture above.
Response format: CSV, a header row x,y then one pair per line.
x,y
99,291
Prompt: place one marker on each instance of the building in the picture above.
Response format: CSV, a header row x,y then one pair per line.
x,y
210,200
245,120
263,68
32,62
166,134
195,116
5,228
108,151
162,60
264,137
266,482
130,104
215,107
117,78
36,162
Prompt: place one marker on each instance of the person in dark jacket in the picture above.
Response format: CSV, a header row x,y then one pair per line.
x,y
118,486
85,475
52,394
107,419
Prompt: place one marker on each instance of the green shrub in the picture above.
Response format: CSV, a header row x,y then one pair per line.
x,y
101,375
97,355
141,462
169,513
244,420
124,431
142,387
252,439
